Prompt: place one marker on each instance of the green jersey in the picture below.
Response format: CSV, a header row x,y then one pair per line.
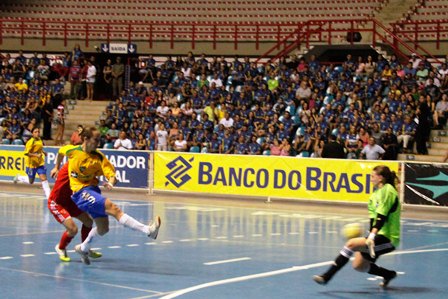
x,y
385,201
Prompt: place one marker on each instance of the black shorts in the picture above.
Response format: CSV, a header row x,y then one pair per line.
x,y
382,246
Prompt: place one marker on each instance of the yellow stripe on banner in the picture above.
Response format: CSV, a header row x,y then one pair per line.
x,y
11,162
323,179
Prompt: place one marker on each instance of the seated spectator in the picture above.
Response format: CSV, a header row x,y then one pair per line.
x,y
123,143
180,145
372,151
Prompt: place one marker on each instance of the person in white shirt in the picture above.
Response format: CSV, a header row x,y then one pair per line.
x,y
162,110
226,121
161,138
123,143
372,151
180,145
91,75
216,80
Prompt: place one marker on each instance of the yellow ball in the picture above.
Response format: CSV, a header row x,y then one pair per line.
x,y
352,230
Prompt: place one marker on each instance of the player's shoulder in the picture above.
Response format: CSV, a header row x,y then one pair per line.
x,y
70,148
99,154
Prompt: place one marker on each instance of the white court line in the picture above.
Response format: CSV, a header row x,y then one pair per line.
x,y
132,245
243,278
27,255
276,272
28,243
35,274
6,257
227,261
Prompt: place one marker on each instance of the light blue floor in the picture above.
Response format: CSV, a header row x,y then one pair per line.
x,y
206,251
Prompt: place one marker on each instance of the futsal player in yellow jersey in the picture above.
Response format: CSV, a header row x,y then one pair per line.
x,y
86,163
35,162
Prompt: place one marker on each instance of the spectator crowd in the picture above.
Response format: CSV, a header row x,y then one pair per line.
x,y
372,108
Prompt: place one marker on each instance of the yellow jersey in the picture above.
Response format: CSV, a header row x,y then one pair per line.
x,y
34,146
84,167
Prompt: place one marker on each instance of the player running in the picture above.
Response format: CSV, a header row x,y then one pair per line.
x,y
86,163
63,209
35,162
384,213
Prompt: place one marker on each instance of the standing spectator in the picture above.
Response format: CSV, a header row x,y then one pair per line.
x,y
91,76
107,76
372,151
117,77
47,117
423,127
59,121
75,80
123,143
390,144
161,138
333,149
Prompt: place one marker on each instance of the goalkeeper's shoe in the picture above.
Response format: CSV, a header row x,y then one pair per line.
x,y
387,279
320,279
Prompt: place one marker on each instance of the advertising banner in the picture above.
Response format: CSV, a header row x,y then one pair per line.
x,y
426,184
341,180
131,166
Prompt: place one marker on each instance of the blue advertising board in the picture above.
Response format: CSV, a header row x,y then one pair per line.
x,y
132,167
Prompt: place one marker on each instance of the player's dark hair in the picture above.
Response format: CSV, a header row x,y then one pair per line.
x,y
88,132
389,176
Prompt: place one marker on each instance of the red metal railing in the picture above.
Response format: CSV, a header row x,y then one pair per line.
x,y
322,31
418,31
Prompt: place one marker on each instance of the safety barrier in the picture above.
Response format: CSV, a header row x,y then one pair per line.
x,y
261,176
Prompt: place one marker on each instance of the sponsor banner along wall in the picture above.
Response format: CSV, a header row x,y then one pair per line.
x,y
131,167
341,180
426,184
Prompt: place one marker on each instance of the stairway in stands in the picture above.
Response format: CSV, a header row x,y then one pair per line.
x,y
436,151
80,113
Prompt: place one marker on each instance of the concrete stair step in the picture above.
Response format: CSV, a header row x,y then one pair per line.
x,y
439,133
420,158
439,145
440,139
437,151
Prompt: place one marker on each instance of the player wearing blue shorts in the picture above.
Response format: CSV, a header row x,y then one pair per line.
x,y
86,164
35,162
384,213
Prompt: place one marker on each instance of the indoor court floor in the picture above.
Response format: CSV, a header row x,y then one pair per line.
x,y
209,250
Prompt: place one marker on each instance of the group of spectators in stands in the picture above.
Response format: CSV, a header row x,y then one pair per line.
x,y
374,108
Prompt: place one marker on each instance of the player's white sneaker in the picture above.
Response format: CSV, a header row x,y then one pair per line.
x,y
84,255
154,228
62,254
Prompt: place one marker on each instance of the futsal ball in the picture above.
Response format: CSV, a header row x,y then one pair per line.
x,y
352,230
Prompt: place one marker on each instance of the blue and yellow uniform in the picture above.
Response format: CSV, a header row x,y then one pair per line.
x,y
35,164
84,168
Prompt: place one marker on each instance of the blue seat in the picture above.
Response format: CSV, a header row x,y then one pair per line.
x,y
108,145
266,152
6,141
260,140
195,149
17,142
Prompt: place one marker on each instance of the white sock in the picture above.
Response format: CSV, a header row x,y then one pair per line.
x,y
23,179
85,246
133,224
46,187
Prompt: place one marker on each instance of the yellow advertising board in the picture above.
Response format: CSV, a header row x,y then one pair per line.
x,y
289,177
11,162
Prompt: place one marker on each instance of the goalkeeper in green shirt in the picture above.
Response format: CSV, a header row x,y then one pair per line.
x,y
384,213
